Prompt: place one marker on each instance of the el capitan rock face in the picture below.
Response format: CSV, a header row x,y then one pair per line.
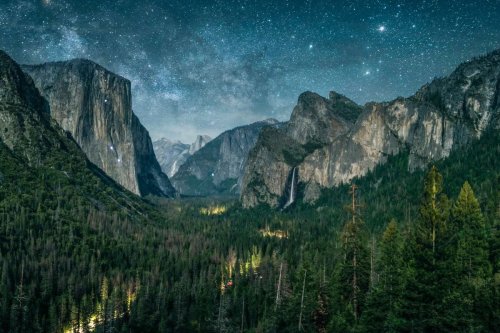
x,y
217,168
172,154
28,135
95,106
445,114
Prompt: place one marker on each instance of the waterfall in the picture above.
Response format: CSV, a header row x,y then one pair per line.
x,y
291,195
292,188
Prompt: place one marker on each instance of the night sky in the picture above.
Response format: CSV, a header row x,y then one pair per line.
x,y
201,67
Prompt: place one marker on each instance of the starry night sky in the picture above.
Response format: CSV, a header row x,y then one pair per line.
x,y
204,66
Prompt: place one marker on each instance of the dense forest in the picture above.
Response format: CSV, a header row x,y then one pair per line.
x,y
395,251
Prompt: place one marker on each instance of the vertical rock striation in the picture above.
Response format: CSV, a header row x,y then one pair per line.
x,y
95,106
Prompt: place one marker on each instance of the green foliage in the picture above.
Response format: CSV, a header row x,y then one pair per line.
x,y
77,250
469,269
426,252
384,299
353,272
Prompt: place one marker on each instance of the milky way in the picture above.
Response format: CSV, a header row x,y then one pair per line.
x,y
201,67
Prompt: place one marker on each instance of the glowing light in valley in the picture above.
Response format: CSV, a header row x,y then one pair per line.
x,y
95,318
215,210
273,233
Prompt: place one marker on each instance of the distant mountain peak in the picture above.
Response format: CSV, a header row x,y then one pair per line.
x,y
172,154
217,168
199,142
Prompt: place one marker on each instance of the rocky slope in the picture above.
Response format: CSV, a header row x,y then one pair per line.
x,y
95,106
37,155
217,168
447,113
25,124
315,122
172,154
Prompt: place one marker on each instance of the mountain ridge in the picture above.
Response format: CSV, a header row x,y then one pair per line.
x,y
447,113
217,168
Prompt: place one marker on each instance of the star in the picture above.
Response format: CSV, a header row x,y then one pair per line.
x,y
183,63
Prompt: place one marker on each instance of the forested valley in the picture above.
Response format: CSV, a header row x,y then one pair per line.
x,y
395,251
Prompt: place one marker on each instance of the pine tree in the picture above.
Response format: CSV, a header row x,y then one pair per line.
x,y
353,273
423,292
4,297
20,307
469,270
320,314
433,211
103,305
468,226
222,323
382,308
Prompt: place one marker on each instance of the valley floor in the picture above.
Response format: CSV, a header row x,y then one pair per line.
x,y
419,254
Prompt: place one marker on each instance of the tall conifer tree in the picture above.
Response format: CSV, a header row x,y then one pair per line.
x,y
423,292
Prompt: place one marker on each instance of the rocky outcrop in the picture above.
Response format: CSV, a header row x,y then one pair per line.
x,y
172,154
319,120
217,168
315,122
445,114
95,106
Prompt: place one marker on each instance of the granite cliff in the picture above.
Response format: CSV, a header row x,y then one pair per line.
x,y
30,139
95,106
217,168
448,113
